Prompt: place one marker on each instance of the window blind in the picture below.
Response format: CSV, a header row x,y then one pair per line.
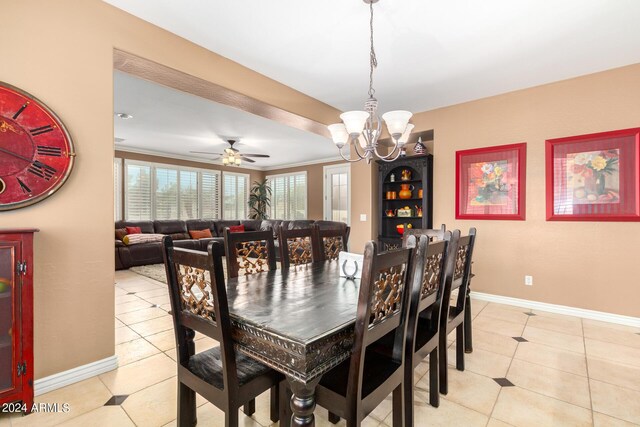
x,y
289,196
235,194
117,189
138,192
166,194
210,195
188,197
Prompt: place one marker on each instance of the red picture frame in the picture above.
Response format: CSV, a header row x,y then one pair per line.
x,y
594,177
490,182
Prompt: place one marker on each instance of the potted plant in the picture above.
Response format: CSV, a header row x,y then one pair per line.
x,y
259,200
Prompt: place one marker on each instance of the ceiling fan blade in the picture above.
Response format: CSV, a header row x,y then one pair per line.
x,y
205,152
255,155
248,160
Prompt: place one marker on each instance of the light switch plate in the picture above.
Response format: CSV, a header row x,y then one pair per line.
x,y
363,217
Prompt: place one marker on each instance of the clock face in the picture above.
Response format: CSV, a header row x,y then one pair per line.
x,y
36,152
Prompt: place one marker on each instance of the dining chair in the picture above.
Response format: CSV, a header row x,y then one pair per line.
x,y
330,242
199,303
454,317
353,389
249,252
298,247
432,233
425,307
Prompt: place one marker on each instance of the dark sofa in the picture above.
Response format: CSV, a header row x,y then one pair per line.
x,y
151,253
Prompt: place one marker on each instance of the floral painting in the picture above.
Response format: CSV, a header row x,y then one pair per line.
x,y
593,176
489,181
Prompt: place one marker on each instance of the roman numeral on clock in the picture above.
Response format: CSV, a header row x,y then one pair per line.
x,y
43,171
41,130
24,187
45,150
15,116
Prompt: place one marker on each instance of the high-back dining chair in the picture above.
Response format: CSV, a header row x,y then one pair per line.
x,y
432,233
199,303
353,389
454,316
330,242
298,246
249,252
425,307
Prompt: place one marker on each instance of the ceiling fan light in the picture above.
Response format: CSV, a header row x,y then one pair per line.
x,y
238,161
339,134
225,161
354,122
405,136
397,122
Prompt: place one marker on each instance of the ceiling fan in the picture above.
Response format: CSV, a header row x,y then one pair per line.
x,y
232,156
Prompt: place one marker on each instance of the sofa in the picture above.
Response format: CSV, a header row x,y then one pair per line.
x,y
151,253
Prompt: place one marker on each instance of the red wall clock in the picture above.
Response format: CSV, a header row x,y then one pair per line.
x,y
36,151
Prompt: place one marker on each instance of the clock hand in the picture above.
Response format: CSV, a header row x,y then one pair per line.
x,y
3,150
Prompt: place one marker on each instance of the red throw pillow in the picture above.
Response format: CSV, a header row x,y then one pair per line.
x,y
200,234
236,228
133,230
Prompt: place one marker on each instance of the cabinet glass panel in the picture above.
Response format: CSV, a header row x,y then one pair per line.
x,y
6,317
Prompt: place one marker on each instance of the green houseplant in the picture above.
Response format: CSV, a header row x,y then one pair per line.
x,y
259,200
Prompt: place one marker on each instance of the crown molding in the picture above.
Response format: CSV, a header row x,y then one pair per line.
x,y
310,162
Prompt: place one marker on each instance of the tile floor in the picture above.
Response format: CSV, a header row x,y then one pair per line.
x,y
527,369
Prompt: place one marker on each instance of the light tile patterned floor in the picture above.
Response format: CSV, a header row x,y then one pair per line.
x,y
565,371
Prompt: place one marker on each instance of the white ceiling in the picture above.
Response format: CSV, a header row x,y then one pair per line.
x,y
173,123
431,53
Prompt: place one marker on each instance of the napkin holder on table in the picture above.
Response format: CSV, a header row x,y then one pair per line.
x,y
350,265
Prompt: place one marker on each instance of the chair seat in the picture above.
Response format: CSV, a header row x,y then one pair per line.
x,y
208,366
377,369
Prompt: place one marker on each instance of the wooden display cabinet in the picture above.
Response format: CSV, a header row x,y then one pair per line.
x,y
419,177
16,317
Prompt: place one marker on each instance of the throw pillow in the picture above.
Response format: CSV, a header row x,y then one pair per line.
x,y
236,228
120,233
200,234
135,239
133,230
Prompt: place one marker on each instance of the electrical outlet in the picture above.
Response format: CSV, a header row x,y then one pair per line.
x,y
528,280
363,217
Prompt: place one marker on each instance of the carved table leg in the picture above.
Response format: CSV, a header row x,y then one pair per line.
x,y
303,402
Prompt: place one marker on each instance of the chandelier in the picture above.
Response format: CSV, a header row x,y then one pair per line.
x,y
363,128
231,158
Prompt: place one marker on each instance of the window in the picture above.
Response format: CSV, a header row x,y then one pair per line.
x,y
117,188
289,196
236,195
170,192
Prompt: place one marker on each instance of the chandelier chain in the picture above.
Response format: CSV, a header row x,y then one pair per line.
x,y
373,61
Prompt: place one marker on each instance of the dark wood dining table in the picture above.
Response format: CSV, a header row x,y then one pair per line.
x,y
299,322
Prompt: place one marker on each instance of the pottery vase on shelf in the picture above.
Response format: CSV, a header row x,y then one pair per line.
x,y
406,175
405,191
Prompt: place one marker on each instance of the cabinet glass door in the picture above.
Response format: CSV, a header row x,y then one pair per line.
x,y
7,316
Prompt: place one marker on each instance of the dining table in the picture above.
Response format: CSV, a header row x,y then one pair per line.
x,y
298,321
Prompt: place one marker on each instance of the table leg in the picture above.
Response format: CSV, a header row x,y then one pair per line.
x,y
303,402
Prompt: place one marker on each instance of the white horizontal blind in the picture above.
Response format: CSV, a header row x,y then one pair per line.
x,y
289,196
138,192
117,188
235,194
154,191
188,197
210,194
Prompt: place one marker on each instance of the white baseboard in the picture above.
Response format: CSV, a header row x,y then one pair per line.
x,y
560,309
61,379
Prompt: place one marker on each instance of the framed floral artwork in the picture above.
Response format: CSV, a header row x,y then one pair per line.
x,y
594,177
490,182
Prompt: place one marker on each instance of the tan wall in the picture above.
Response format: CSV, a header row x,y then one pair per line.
x,y
581,264
315,186
65,58
254,175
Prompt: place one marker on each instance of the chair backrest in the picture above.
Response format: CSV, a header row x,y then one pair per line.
x,y
330,241
433,234
298,247
435,259
382,308
462,267
249,252
199,302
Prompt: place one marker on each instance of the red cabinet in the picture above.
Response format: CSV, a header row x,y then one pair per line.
x,y
16,316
